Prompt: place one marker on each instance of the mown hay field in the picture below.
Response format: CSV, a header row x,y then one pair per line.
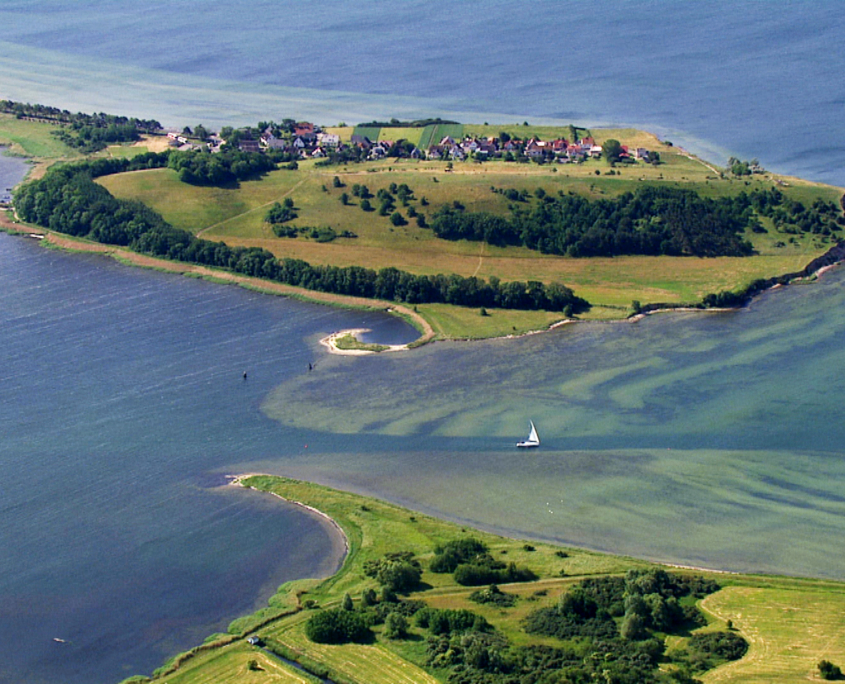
x,y
790,628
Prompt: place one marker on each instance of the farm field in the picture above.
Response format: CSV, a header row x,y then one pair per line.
x,y
790,624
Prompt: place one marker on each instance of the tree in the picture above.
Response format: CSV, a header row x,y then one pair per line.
x,y
829,671
397,219
368,597
612,150
337,183
337,626
201,132
395,626
347,604
344,198
399,575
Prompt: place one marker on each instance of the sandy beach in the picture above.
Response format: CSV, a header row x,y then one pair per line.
x,y
330,343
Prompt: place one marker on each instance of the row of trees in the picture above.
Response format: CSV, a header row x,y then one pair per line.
x,y
89,139
25,110
650,221
67,200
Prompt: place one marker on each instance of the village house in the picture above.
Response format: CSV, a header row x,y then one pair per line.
x,y
328,139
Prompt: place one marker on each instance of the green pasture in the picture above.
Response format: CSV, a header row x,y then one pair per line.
x,y
236,216
371,132
231,666
33,139
790,626
412,135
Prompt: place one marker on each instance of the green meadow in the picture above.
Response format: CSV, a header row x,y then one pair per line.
x,y
790,624
236,216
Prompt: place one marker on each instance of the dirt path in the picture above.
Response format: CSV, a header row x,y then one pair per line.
x,y
480,259
266,204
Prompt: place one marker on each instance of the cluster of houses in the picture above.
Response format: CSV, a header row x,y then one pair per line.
x,y
307,141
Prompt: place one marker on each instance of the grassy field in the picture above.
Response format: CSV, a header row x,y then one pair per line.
x,y
789,623
790,626
33,139
236,216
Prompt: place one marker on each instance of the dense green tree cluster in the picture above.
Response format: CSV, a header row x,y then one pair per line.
x,y
791,216
647,601
89,139
473,565
68,201
337,626
450,555
591,648
450,621
650,221
199,167
398,571
281,213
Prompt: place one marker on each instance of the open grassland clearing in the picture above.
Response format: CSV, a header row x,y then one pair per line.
x,y
790,626
373,664
394,134
453,322
34,139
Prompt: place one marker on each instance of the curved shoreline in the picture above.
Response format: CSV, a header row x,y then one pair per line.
x,y
238,481
815,268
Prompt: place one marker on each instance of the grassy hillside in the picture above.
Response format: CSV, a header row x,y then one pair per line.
x,y
236,215
790,624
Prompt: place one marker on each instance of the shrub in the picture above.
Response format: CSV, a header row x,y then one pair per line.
x,y
829,671
396,626
337,626
494,595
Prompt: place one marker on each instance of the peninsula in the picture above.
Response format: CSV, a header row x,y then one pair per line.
x,y
419,600
466,230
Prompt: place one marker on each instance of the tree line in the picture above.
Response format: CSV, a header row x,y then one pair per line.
x,y
23,110
67,200
650,221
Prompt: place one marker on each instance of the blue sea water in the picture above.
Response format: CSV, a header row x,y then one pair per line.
x,y
122,391
747,78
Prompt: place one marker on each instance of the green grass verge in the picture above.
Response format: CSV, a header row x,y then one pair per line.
x,y
351,342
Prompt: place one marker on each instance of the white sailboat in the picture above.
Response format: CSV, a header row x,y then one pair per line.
x,y
532,441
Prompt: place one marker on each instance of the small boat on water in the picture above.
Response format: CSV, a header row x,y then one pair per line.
x,y
533,439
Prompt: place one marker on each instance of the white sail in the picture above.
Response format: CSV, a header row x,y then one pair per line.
x,y
533,438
